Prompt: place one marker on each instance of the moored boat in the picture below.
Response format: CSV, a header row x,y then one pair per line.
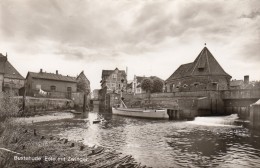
x,y
143,113
123,110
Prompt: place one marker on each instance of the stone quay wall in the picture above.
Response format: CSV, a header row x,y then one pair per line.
x,y
189,104
255,115
37,105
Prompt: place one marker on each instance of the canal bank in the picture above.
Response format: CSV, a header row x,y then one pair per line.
x,y
23,145
255,115
204,142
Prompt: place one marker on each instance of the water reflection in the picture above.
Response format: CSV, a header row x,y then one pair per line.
x,y
204,142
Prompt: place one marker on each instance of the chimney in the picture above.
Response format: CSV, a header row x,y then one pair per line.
x,y
246,79
57,72
40,70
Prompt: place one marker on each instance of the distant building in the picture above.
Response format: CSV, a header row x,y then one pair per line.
x,y
241,84
50,84
10,78
204,73
95,94
112,80
236,84
136,85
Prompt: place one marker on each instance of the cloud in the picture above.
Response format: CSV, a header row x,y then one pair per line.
x,y
252,15
91,29
251,50
157,21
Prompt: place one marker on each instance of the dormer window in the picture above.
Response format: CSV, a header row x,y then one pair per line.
x,y
185,85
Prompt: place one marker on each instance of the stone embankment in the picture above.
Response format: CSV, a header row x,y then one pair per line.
x,y
255,115
31,149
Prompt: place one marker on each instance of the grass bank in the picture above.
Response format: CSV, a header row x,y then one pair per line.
x,y
23,147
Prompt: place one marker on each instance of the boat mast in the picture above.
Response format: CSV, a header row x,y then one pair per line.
x,y
121,94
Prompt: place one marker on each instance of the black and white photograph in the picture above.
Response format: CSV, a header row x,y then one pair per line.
x,y
129,83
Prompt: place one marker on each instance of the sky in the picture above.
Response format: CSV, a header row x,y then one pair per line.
x,y
149,37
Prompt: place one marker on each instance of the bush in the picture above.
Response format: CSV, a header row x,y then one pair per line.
x,y
157,85
147,84
8,106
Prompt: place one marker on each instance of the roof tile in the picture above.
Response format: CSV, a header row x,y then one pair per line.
x,y
51,76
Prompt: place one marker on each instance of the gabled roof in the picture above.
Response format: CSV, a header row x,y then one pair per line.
x,y
8,70
82,76
106,73
2,67
205,64
155,77
139,78
51,76
182,71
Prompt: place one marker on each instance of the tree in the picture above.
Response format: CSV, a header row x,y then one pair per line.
x,y
157,85
147,85
257,85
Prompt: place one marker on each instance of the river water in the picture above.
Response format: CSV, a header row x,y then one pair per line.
x,y
204,142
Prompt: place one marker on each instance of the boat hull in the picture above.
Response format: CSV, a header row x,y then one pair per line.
x,y
155,114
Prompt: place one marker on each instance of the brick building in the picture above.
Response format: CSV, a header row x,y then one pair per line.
x,y
112,79
204,73
52,85
10,78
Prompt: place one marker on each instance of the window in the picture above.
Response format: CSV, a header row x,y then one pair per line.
x,y
68,89
53,88
69,92
114,76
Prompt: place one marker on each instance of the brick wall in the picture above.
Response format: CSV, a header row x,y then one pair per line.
x,y
37,105
61,87
198,83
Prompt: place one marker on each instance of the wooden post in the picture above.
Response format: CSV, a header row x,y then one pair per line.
x,y
24,97
81,148
84,103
